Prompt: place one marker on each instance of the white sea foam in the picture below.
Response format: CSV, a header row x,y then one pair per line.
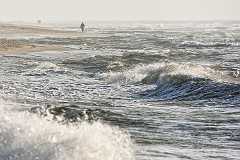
x,y
25,136
140,72
44,67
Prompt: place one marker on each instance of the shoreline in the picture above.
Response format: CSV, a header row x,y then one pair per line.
x,y
30,30
11,35
30,48
13,46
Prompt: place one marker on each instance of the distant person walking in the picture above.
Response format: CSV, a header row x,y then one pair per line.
x,y
82,27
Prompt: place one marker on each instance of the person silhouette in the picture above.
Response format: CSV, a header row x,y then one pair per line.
x,y
236,73
82,27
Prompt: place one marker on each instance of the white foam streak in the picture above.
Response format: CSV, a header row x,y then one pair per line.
x,y
45,67
25,136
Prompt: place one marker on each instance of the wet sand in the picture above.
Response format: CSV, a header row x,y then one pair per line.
x,y
26,48
11,35
12,30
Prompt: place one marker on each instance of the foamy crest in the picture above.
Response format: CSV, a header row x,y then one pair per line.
x,y
45,67
25,136
159,70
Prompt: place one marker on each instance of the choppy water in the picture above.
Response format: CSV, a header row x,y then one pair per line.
x,y
125,91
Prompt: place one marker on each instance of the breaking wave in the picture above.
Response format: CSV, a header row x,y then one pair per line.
x,y
183,87
26,136
180,81
101,64
154,73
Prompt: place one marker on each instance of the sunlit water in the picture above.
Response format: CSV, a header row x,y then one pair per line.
x,y
125,91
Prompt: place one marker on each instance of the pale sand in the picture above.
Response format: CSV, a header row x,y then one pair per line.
x,y
10,30
9,35
27,48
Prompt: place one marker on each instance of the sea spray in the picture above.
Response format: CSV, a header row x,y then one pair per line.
x,y
26,136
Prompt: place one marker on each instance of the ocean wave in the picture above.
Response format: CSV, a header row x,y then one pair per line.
x,y
180,81
153,73
43,68
65,114
106,63
185,87
26,136
196,44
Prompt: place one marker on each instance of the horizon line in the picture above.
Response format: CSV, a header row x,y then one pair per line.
x,y
121,20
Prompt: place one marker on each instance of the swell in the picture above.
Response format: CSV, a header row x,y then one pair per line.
x,y
69,114
44,68
195,44
188,88
175,81
103,64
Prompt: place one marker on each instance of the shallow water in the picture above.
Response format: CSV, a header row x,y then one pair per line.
x,y
127,91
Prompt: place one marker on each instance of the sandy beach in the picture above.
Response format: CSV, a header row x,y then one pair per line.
x,y
13,47
11,35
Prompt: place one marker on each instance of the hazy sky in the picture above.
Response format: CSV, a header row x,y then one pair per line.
x,y
68,10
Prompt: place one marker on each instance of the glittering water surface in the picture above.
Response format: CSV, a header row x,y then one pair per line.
x,y
125,91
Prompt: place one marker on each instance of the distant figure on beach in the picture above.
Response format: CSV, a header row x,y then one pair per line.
x,y
236,73
39,21
82,27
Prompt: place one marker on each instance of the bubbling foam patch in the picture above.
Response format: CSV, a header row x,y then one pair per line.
x,y
25,136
